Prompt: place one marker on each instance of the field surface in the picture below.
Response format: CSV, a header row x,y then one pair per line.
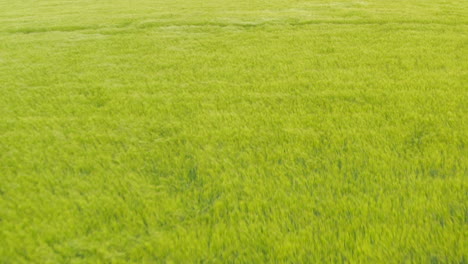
x,y
220,131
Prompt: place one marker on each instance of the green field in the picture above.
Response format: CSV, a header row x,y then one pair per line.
x,y
221,131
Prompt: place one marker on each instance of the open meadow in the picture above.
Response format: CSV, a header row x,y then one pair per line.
x,y
220,131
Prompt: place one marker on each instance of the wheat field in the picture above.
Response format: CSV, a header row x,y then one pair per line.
x,y
250,131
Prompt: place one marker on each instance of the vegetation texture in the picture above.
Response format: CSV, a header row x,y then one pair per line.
x,y
220,131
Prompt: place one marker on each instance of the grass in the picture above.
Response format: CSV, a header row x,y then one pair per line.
x,y
215,131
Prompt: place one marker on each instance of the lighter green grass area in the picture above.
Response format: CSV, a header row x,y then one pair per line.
x,y
219,131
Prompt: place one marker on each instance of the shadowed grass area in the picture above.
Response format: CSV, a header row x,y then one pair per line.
x,y
233,131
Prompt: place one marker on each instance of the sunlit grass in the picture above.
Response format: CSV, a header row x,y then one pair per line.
x,y
233,131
